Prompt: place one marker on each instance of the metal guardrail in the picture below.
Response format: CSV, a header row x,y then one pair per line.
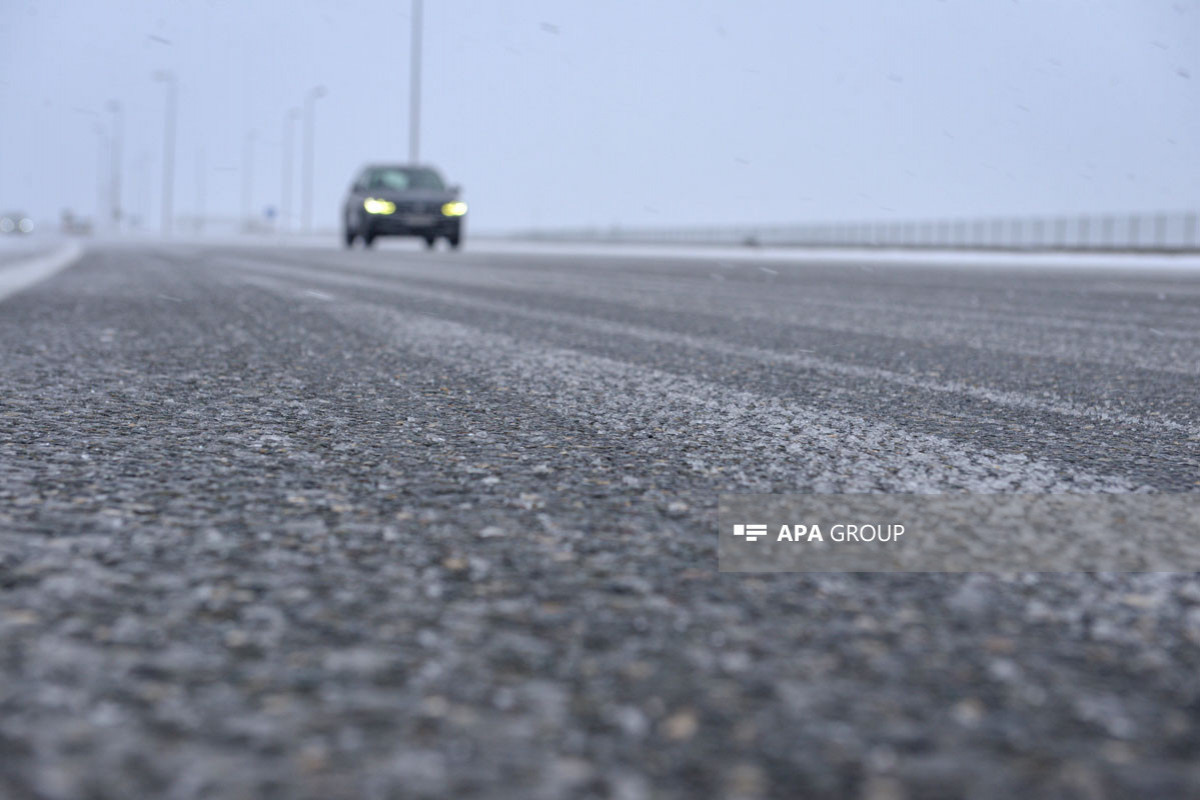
x,y
1156,232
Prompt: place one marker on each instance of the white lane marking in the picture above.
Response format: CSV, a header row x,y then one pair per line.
x,y
1006,330
273,285
794,359
755,441
581,282
15,276
748,436
1103,341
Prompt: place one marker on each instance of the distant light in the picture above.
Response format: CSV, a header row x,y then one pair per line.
x,y
454,209
26,225
376,206
6,225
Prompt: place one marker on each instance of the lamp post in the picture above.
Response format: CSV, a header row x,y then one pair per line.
x,y
310,100
118,115
414,89
285,204
101,161
140,207
168,174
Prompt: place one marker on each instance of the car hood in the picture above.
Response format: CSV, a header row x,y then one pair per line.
x,y
416,195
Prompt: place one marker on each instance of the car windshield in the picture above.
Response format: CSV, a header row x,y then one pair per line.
x,y
403,178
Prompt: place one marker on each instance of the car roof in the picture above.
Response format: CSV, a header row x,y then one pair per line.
x,y
400,166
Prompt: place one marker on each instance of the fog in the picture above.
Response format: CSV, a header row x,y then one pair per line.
x,y
632,113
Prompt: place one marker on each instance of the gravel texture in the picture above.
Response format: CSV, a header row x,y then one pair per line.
x,y
302,523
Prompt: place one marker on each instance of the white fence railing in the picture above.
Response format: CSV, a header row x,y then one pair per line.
x,y
1162,232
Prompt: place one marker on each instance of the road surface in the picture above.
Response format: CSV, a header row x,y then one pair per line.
x,y
306,523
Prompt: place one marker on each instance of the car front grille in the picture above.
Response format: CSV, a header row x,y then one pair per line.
x,y
418,207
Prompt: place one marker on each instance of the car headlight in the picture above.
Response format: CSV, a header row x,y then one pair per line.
x,y
375,206
454,209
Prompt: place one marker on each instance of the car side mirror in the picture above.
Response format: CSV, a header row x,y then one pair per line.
x,y
359,187
456,189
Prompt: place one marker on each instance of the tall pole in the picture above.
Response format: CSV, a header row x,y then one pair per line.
x,y
115,108
101,163
285,205
168,185
309,101
141,169
248,180
414,89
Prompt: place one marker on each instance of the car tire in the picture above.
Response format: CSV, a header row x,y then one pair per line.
x,y
348,238
454,241
368,239
430,242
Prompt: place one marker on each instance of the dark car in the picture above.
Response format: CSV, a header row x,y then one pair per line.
x,y
403,200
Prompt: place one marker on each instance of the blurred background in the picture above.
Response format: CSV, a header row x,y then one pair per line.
x,y
571,114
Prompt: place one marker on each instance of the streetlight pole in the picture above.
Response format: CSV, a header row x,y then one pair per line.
x,y
285,205
168,187
248,180
101,160
414,89
115,108
141,172
310,99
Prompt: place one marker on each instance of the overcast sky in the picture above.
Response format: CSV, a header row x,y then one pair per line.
x,y
636,112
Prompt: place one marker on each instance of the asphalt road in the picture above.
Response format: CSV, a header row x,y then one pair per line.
x,y
305,523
